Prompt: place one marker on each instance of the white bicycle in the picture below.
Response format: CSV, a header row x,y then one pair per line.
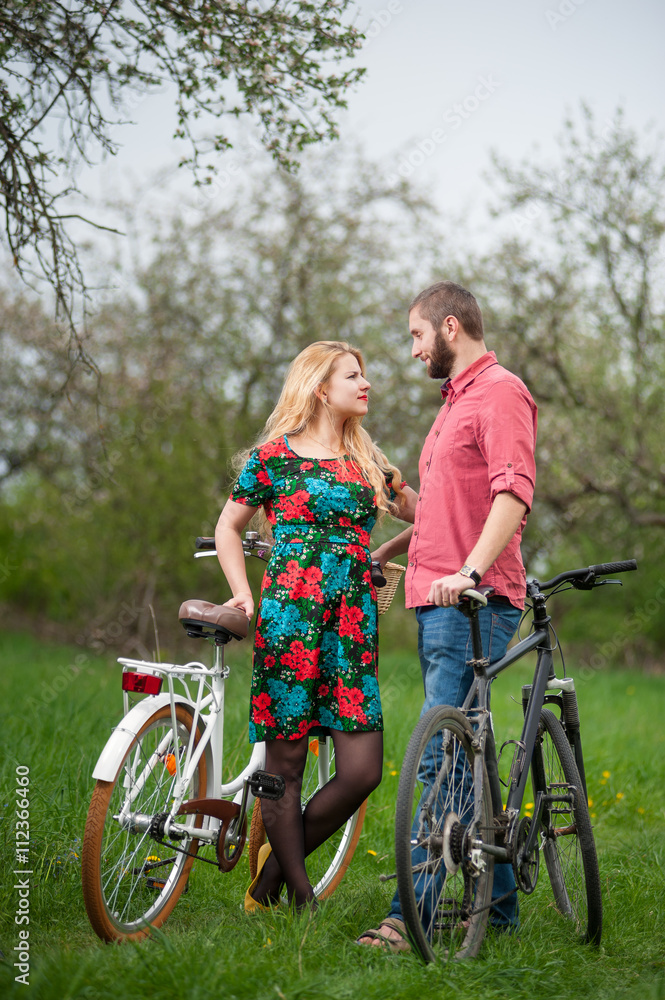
x,y
160,802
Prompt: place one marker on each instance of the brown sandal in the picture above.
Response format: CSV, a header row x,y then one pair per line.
x,y
387,944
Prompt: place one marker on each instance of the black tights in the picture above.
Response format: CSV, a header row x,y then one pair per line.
x,y
294,834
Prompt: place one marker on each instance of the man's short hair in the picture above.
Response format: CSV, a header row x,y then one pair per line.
x,y
445,298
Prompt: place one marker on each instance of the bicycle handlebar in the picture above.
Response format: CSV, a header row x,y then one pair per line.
x,y
614,567
587,575
252,545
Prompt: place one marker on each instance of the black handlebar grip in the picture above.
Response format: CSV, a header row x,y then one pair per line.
x,y
604,569
206,544
378,579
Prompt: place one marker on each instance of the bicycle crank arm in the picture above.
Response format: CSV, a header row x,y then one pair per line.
x,y
229,840
532,837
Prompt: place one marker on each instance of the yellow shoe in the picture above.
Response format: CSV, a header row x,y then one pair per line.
x,y
251,904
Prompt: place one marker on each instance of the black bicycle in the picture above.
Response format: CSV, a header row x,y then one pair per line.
x,y
451,824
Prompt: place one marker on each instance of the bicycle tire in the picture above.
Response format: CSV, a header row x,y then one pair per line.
x,y
128,885
255,839
567,836
445,908
327,865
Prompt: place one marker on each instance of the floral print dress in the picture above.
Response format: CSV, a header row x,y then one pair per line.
x,y
315,646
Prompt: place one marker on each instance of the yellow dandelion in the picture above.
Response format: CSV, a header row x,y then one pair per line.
x,y
589,802
373,853
602,781
593,815
606,774
641,810
268,943
529,805
393,774
619,795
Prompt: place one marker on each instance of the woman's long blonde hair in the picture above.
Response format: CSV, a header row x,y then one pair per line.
x,y
296,408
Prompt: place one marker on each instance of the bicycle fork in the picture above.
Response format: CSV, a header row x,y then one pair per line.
x,y
570,716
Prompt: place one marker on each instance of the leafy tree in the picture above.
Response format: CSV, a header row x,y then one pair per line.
x,y
83,66
193,355
575,305
588,314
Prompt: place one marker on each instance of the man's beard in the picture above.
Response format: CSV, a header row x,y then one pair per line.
x,y
441,358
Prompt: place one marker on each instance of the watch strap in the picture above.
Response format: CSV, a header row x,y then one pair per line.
x,y
472,573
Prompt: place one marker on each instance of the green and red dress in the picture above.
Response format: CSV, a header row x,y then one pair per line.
x,y
316,641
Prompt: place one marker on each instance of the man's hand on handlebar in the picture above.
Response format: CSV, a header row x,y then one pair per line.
x,y
446,591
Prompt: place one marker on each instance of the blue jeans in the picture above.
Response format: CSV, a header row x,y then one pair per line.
x,y
444,647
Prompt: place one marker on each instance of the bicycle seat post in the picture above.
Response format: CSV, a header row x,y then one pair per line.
x,y
469,608
476,640
218,664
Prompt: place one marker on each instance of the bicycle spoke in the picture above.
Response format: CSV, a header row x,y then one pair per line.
x,y
119,850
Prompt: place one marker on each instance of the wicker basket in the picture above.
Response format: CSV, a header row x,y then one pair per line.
x,y
384,595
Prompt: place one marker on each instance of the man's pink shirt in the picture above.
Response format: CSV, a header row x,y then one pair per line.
x,y
481,443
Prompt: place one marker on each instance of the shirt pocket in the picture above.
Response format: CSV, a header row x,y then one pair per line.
x,y
445,435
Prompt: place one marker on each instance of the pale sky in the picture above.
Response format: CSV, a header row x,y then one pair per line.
x,y
512,67
447,82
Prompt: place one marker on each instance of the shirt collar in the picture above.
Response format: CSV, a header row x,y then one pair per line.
x,y
463,378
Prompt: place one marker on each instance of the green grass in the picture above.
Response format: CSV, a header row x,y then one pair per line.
x,y
57,711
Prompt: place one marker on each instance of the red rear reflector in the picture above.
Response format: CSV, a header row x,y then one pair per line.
x,y
142,683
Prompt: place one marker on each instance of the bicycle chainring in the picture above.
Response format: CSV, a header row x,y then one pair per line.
x,y
525,867
229,844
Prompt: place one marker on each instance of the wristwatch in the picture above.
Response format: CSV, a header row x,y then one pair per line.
x,y
469,571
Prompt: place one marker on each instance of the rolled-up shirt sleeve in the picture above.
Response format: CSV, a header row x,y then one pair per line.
x,y
506,427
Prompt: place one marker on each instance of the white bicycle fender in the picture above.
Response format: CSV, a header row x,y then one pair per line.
x,y
120,739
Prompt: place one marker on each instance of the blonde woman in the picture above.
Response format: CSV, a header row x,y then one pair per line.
x,y
321,482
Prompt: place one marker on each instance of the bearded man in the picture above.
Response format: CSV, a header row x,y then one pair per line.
x,y
477,477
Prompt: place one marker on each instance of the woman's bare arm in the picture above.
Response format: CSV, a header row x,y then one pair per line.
x,y
228,541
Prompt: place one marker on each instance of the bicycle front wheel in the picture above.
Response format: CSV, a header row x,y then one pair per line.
x,y
444,878
326,865
130,882
568,844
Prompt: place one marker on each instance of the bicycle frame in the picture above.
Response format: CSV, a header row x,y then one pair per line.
x,y
477,709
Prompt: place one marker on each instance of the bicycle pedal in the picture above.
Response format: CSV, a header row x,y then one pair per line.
x,y
267,786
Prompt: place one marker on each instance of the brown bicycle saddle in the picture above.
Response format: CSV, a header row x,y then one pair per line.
x,y
203,620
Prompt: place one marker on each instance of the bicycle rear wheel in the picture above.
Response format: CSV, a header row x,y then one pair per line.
x,y
444,890
326,865
568,844
130,882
